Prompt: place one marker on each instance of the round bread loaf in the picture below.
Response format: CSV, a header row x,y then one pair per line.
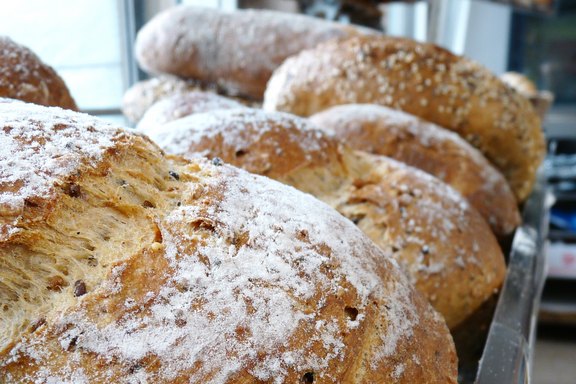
x,y
437,151
520,83
423,80
540,100
235,50
24,76
121,265
143,94
444,246
183,104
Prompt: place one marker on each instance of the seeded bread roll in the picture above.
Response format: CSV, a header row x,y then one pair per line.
x,y
24,76
437,151
444,246
183,104
235,50
121,265
423,80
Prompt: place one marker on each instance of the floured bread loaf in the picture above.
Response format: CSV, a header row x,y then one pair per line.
x,y
143,94
444,246
184,104
235,50
423,80
25,77
120,265
384,131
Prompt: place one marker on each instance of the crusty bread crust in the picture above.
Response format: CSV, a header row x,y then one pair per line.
x,y
121,265
444,245
24,76
235,50
426,146
424,80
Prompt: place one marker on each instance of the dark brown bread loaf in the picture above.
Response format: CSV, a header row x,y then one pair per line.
x,y
426,146
423,80
235,50
443,245
24,76
121,265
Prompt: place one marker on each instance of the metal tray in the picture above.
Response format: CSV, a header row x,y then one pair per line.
x,y
509,346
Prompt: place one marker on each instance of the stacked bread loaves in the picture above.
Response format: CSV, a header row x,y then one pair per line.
x,y
444,246
119,264
25,77
424,80
444,154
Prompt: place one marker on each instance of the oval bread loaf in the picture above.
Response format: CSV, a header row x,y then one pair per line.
x,y
183,104
423,80
24,76
444,246
426,146
121,265
142,95
235,50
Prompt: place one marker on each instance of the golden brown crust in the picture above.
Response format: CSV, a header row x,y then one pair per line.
x,y
183,104
238,50
384,131
24,76
423,80
444,245
174,271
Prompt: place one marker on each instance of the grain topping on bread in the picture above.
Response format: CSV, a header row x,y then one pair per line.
x,y
424,80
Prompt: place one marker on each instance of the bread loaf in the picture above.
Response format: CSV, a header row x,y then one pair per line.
x,y
439,152
520,83
143,94
25,77
423,80
235,50
184,104
121,265
540,100
444,246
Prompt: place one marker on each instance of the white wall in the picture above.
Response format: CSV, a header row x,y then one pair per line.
x,y
487,39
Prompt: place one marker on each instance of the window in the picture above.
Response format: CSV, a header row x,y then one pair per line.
x,y
80,39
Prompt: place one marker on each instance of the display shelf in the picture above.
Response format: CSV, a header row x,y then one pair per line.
x,y
508,351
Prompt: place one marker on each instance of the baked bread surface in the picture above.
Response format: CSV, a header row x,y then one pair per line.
x,y
24,76
442,244
120,264
426,146
424,80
